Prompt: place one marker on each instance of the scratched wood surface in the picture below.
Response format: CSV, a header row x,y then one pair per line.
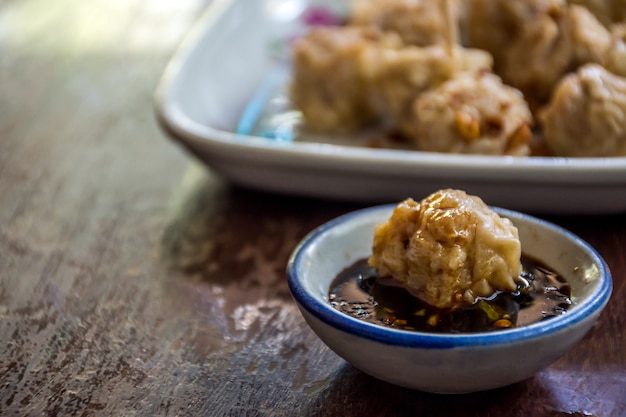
x,y
134,281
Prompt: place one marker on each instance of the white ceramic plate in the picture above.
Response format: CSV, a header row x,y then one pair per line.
x,y
227,74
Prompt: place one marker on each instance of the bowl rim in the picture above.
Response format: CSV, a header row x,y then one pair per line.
x,y
594,303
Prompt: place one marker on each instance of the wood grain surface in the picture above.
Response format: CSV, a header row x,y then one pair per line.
x,y
134,281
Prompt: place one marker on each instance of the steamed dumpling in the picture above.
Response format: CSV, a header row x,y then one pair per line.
x,y
448,249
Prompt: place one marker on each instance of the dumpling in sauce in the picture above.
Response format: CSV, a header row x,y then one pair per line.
x,y
448,249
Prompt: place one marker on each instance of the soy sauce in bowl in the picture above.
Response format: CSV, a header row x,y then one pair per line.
x,y
360,292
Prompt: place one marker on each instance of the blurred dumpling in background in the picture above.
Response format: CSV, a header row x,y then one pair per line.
x,y
332,69
535,42
473,113
616,54
418,22
399,64
404,74
587,114
607,11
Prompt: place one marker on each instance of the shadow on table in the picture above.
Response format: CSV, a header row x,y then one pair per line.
x,y
229,235
355,393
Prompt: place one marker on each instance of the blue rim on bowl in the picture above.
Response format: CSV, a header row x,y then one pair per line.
x,y
326,313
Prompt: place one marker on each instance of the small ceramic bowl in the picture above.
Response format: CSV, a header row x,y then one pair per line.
x,y
446,363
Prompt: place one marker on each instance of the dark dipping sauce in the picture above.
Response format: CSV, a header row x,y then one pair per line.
x,y
359,292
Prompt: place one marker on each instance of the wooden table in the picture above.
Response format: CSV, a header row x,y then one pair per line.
x,y
134,281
